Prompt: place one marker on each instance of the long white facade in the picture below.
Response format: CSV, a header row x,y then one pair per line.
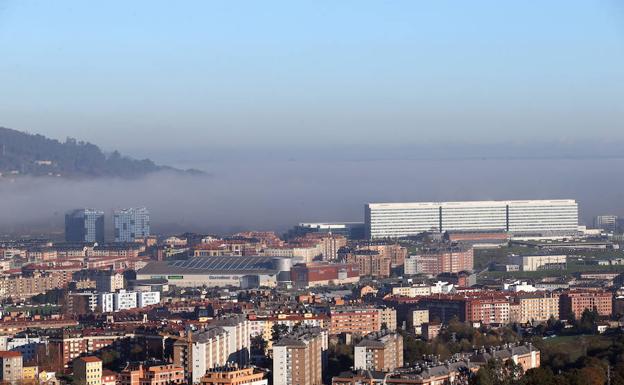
x,y
395,220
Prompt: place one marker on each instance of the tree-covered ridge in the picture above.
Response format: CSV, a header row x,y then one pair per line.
x,y
33,154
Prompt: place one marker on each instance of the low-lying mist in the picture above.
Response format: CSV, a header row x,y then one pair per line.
x,y
274,195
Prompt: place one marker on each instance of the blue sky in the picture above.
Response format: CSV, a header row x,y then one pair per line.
x,y
154,75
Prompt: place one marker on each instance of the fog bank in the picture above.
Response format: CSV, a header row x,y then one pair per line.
x,y
274,195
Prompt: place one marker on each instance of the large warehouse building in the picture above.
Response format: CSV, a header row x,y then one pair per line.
x,y
221,271
396,220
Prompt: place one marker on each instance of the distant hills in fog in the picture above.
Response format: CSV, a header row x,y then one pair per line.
x,y
22,153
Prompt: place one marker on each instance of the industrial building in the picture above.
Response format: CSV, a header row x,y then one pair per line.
x,y
220,271
396,220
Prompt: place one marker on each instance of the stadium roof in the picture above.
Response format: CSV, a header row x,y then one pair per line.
x,y
214,265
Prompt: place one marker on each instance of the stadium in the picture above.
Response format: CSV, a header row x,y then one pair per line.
x,y
243,272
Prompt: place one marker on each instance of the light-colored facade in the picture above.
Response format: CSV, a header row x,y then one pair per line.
x,y
606,222
411,291
124,300
539,262
535,307
88,371
379,352
153,375
298,358
147,298
11,367
396,220
232,375
225,341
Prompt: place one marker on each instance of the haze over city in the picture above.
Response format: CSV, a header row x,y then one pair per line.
x,y
343,98
354,192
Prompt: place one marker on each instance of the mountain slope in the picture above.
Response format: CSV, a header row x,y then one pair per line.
x,y
27,154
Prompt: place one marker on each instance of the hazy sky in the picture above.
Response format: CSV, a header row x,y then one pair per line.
x,y
151,75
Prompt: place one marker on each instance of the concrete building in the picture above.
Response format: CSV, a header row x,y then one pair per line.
x,y
131,224
124,300
379,352
152,375
84,225
445,259
26,287
233,375
412,291
534,307
225,340
201,351
395,252
88,371
361,320
238,329
606,222
105,280
410,265
370,263
11,364
539,262
106,302
147,298
573,303
323,274
351,230
416,318
527,356
396,220
298,357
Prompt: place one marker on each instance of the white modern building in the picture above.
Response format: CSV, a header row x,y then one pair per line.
x,y
106,302
147,298
124,300
396,220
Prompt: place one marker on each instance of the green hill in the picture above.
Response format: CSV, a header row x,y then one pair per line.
x,y
32,154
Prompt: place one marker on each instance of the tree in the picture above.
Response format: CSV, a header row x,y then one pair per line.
x,y
278,331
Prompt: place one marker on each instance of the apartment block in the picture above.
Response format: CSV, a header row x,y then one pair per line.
x,y
370,263
152,375
573,303
233,375
361,320
445,259
88,371
534,307
11,367
379,352
298,357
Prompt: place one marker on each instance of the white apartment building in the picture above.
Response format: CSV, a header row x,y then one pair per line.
x,y
395,220
148,298
124,300
210,349
106,302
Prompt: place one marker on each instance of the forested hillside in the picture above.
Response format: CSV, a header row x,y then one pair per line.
x,y
32,154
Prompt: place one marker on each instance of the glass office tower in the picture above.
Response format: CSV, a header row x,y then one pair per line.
x,y
131,224
84,225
